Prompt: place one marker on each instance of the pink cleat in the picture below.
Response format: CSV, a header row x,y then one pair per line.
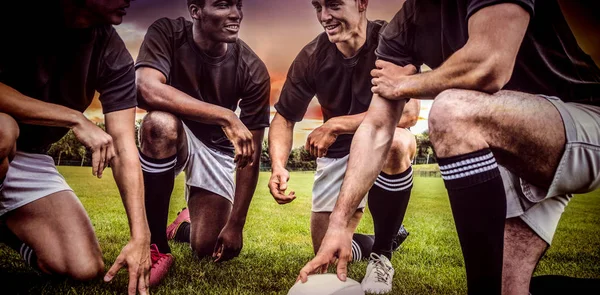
x,y
161,263
182,216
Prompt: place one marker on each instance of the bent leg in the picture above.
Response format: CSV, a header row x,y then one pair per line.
x,y
162,145
319,222
209,213
523,248
390,194
58,229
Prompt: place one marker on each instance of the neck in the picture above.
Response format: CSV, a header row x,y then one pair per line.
x,y
350,47
208,46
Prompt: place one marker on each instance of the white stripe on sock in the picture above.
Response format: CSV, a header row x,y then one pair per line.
x,y
157,165
470,167
466,162
356,252
470,172
394,189
155,170
392,181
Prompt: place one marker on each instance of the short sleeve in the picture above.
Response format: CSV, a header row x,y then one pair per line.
x,y
254,103
475,5
156,49
298,89
116,80
396,39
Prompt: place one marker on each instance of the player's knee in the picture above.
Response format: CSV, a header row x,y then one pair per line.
x,y
449,112
79,268
160,129
8,135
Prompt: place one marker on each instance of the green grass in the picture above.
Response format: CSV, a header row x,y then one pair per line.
x,y
277,244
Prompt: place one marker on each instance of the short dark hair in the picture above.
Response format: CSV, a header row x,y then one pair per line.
x,y
200,3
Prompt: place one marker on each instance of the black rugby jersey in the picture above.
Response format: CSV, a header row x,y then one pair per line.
x,y
341,85
239,76
549,61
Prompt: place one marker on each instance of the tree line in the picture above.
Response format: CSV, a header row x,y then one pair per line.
x,y
69,151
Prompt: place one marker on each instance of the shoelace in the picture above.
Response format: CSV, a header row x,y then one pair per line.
x,y
382,271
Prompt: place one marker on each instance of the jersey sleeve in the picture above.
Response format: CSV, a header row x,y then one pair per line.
x,y
157,48
395,40
475,5
254,103
116,83
298,89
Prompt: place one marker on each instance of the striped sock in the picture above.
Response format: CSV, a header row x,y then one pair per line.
x,y
28,255
10,239
159,179
478,204
361,246
388,199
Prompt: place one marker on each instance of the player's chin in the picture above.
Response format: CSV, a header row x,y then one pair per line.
x,y
116,19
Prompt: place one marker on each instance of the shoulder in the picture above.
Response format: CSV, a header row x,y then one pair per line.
x,y
169,25
251,63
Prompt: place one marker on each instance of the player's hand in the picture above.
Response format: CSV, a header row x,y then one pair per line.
x,y
319,141
229,243
241,138
136,257
98,141
278,184
335,245
388,79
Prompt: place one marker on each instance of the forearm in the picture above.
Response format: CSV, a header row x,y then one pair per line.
x,y
127,172
246,180
345,124
32,111
369,148
158,96
281,134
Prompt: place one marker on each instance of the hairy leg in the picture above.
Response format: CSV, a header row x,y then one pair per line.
x,y
58,229
524,131
402,151
209,213
523,248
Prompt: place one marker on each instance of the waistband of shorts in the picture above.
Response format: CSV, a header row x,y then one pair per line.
x,y
568,122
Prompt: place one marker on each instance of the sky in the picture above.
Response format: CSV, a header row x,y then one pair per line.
x,y
278,29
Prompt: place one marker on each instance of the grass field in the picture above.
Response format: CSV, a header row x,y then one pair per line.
x,y
277,244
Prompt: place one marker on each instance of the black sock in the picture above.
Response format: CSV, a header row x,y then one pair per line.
x,y
388,199
478,204
159,179
361,246
183,233
10,239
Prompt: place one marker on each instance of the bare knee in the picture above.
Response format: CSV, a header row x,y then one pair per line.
x,y
452,116
82,268
8,136
159,134
401,152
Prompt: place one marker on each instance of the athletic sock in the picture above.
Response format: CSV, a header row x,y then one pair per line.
x,y
388,199
182,234
26,252
361,246
159,179
478,204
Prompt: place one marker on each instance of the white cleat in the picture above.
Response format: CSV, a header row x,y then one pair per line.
x,y
380,272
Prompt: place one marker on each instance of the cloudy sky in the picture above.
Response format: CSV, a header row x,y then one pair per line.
x,y
277,30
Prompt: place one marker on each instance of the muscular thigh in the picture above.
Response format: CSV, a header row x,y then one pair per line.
x,y
525,132
208,214
57,228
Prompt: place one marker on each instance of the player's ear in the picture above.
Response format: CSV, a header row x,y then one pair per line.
x,y
362,5
195,11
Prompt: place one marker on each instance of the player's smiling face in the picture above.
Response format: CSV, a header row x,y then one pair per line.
x,y
339,18
220,20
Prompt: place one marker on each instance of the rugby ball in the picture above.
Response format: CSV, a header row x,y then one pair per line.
x,y
326,284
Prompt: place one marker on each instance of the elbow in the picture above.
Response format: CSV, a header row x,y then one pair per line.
x,y
492,75
145,95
